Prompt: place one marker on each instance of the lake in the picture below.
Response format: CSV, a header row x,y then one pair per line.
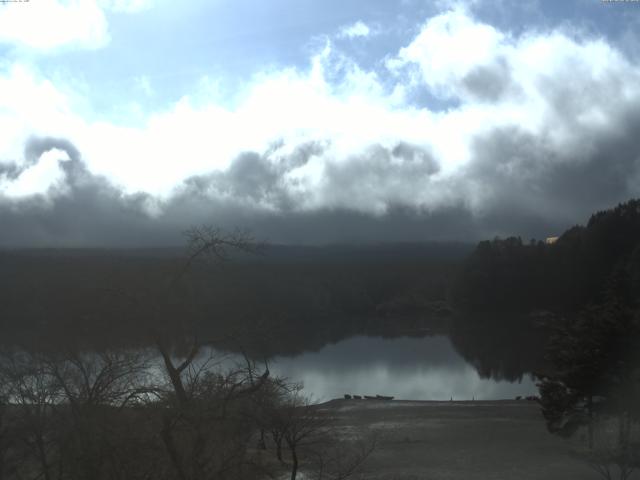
x,y
426,368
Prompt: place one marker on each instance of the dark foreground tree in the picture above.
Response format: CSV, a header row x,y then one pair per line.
x,y
310,437
595,382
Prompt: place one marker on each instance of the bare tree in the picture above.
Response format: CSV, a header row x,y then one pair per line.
x,y
213,244
298,423
95,388
206,430
205,401
5,433
36,397
203,243
112,378
312,437
199,401
340,459
614,450
78,415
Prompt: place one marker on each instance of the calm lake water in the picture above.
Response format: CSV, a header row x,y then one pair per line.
x,y
426,368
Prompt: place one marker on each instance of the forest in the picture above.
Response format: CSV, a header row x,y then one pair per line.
x,y
301,297
582,293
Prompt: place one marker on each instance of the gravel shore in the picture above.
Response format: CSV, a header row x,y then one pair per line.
x,y
484,440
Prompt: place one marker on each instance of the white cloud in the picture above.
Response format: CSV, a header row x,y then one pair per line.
x,y
50,24
449,46
47,25
37,178
355,30
549,84
31,105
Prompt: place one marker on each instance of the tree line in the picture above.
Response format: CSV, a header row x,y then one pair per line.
x,y
301,300
582,293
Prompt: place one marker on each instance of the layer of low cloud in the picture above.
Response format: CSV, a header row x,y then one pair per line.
x,y
542,129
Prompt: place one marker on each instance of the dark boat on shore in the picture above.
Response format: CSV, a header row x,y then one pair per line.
x,y
377,397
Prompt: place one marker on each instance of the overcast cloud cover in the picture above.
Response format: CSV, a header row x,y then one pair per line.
x,y
123,122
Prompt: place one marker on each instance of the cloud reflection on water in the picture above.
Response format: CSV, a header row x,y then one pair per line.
x,y
408,368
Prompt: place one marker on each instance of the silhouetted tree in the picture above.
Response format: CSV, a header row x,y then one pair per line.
x,y
596,374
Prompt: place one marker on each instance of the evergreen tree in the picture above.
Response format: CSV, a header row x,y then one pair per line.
x,y
596,374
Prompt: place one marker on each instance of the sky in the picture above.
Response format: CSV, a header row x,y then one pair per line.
x,y
125,122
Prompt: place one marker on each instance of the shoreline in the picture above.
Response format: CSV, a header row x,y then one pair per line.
x,y
407,402
470,439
